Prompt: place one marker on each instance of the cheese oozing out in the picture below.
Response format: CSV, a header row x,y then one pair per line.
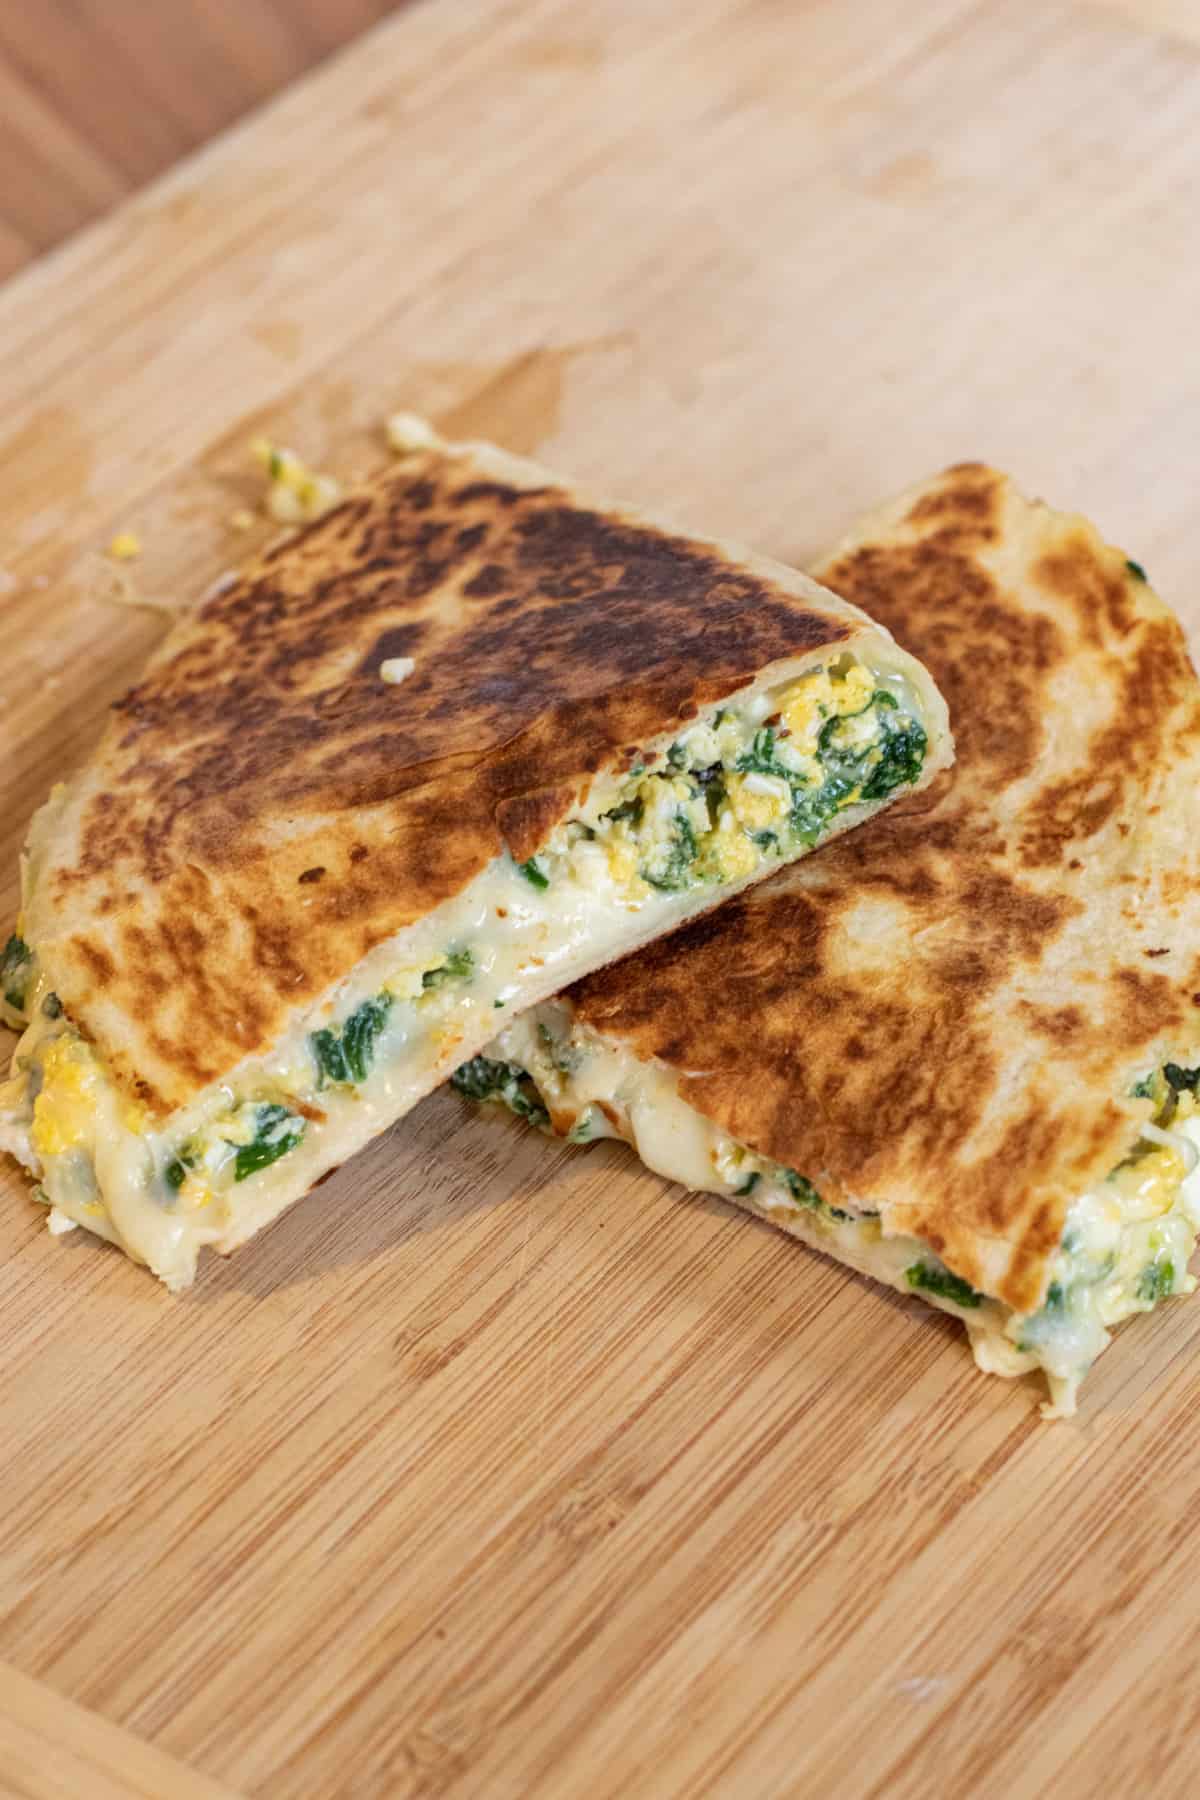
x,y
1124,1247
761,780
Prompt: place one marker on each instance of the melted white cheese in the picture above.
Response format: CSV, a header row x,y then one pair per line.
x,y
102,1161
1123,1247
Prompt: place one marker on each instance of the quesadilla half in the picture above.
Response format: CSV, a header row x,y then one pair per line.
x,y
959,1051
462,741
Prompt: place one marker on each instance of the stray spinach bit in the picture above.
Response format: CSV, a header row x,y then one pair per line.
x,y
1056,1298
16,965
457,967
1181,1079
276,1131
347,1055
533,875
748,1186
1143,1089
677,757
483,1078
801,1189
52,1006
933,1280
839,1212
175,1174
1156,1281
1136,569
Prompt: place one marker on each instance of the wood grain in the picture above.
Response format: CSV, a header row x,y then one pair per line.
x,y
51,1749
497,1469
99,96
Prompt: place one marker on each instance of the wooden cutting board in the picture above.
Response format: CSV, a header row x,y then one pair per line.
x,y
499,1469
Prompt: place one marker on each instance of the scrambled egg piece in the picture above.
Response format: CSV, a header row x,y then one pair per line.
x,y
736,855
64,1113
821,696
125,546
1148,1185
296,495
758,801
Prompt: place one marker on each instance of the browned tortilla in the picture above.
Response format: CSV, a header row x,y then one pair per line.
x,y
265,809
942,1015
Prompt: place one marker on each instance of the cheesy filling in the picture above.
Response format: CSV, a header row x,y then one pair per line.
x,y
762,779
1124,1246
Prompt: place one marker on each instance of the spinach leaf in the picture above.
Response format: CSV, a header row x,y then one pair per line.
x,y
673,873
175,1173
1180,1079
331,1058
812,808
483,1078
276,1131
628,809
900,748
360,1033
941,1282
52,1006
347,1055
16,966
904,750
1156,1281
801,1189
1143,1089
760,758
457,967
1135,569
533,874
748,1186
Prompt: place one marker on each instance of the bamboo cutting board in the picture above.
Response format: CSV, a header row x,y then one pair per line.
x,y
497,1469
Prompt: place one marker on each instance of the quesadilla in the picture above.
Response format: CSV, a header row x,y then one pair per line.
x,y
958,1051
463,740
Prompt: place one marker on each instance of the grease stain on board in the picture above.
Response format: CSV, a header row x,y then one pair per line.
x,y
518,404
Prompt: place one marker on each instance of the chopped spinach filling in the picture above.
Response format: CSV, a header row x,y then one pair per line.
x,y
852,762
800,1188
1135,569
1156,1281
347,1055
934,1280
457,967
276,1131
16,966
672,871
483,1078
893,760
176,1172
760,758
